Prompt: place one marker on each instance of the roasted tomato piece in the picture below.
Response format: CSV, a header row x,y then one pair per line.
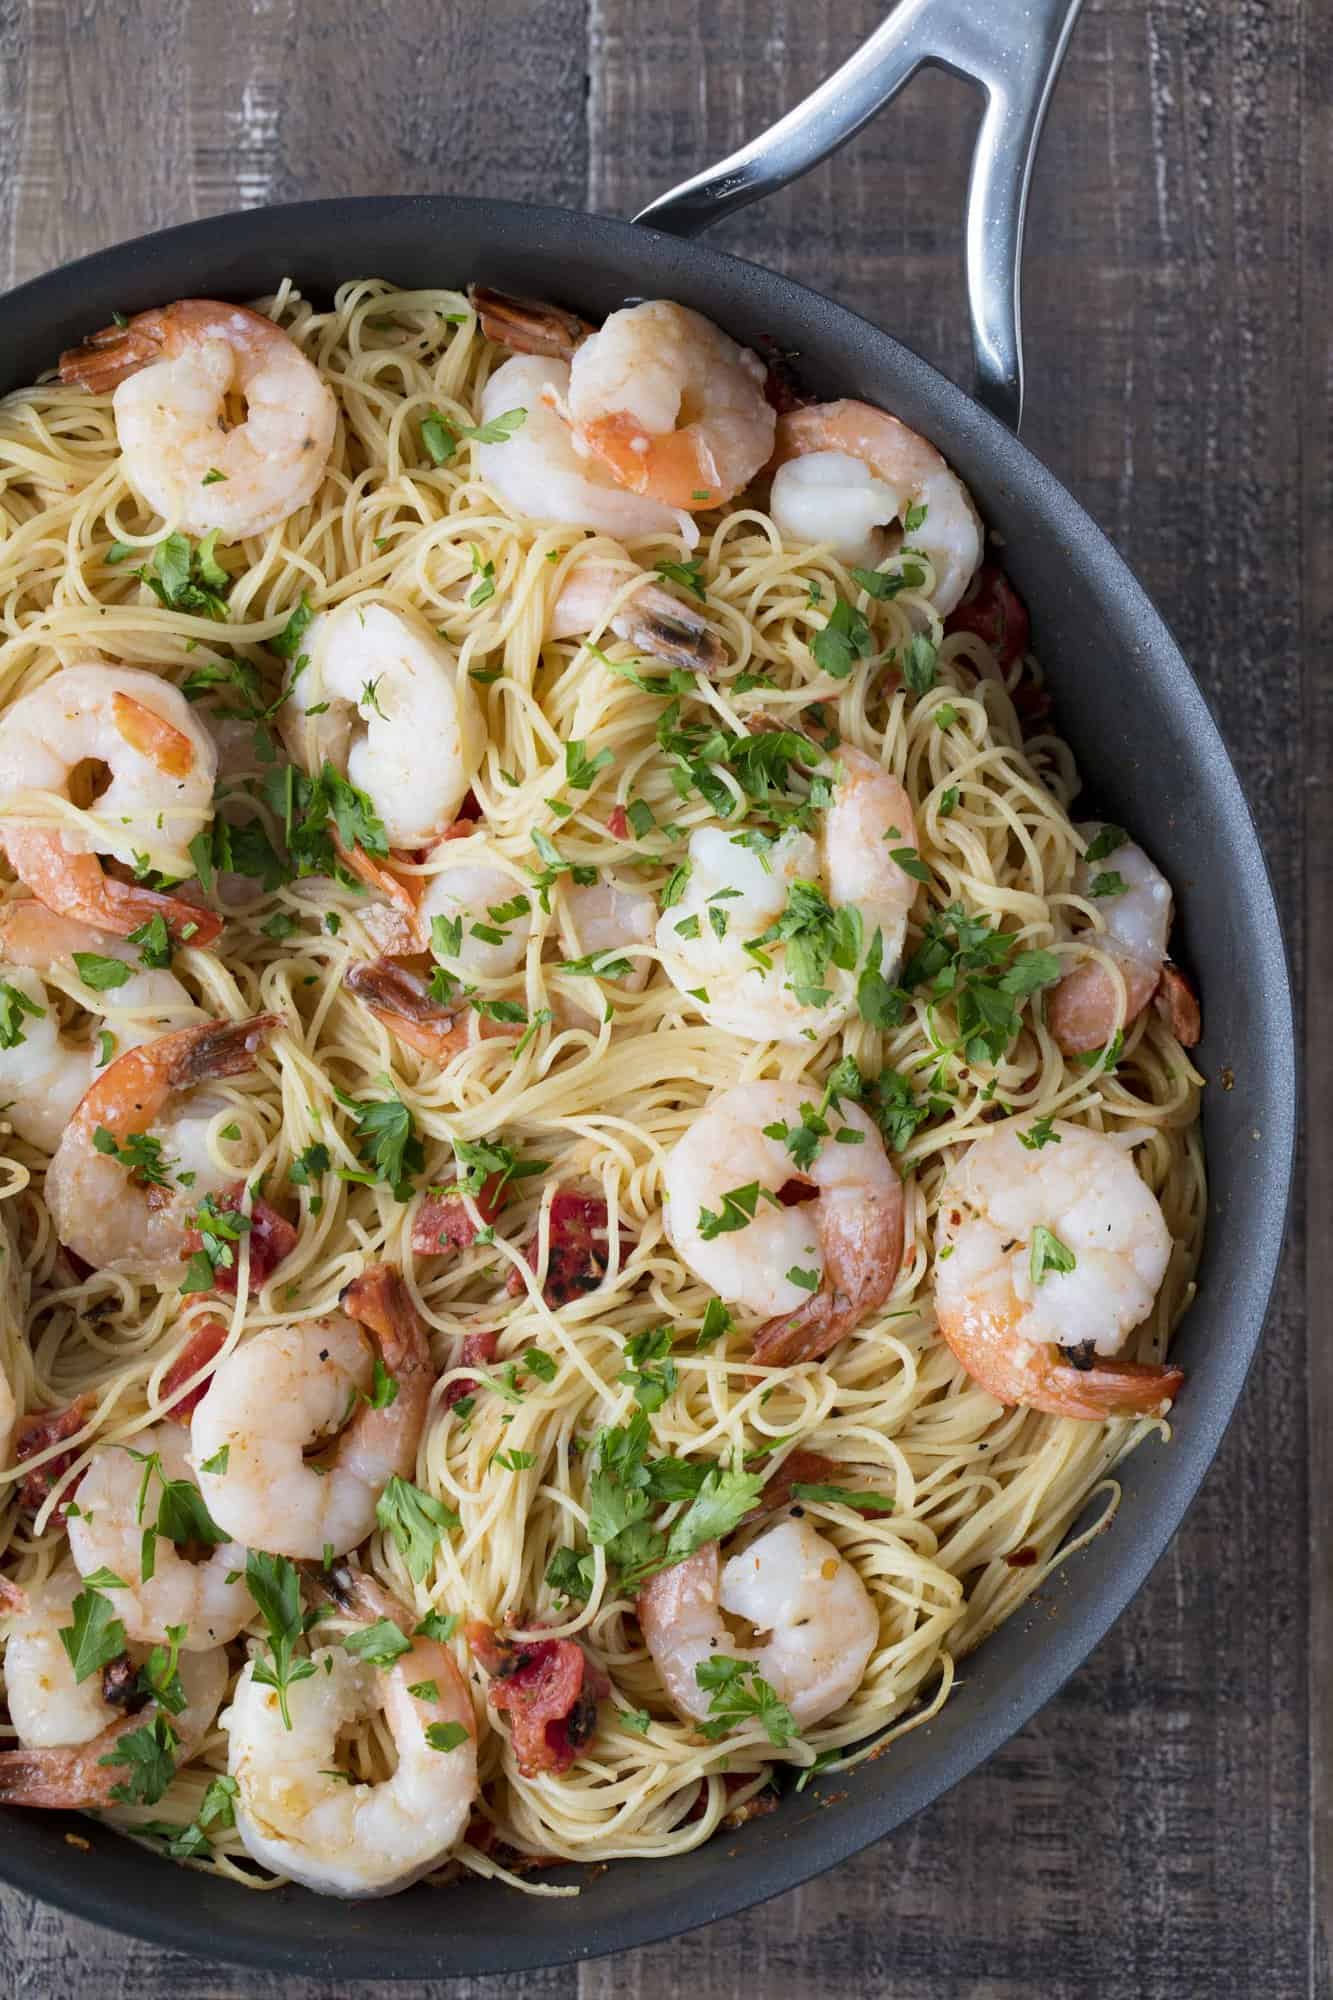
x,y
271,1238
548,1688
34,1433
994,610
203,1345
579,1251
442,1222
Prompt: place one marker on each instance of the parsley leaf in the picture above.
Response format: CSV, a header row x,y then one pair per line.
x,y
276,1589
14,1004
416,1522
446,1735
1048,1253
380,1644
389,1145
149,1755
570,1574
96,1636
1105,841
1042,1133
738,1693
688,574
845,639
103,975
869,1503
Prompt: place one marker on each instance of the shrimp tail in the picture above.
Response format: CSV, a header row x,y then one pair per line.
x,y
65,1776
401,1002
341,1583
376,876
75,886
379,1300
1178,1004
1107,1389
862,1249
668,629
528,326
214,1049
108,357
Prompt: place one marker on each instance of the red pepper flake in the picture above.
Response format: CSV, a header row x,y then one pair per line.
x,y
34,1433
203,1346
577,1261
478,1351
617,823
442,1222
1025,1558
548,1688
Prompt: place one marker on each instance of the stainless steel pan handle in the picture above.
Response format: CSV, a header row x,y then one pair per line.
x,y
1011,48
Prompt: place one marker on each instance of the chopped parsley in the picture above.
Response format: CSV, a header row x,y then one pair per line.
x,y
103,975
570,1574
1048,1253
379,1644
1042,1133
689,575
276,1588
845,639
1105,841
388,1144
186,577
416,1522
739,1694
221,1229
14,1005
96,1636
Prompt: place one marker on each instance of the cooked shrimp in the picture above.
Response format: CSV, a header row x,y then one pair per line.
x,y
671,405
483,932
299,1815
401,1001
1134,902
602,919
742,895
540,473
68,1728
1058,1246
132,1216
291,1386
159,796
790,1584
659,624
664,399
819,1266
43,1070
846,470
393,692
174,370
209,1598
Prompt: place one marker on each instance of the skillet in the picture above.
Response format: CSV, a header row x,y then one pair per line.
x,y
1150,753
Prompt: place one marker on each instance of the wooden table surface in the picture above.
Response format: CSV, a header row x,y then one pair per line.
x,y
1164,1826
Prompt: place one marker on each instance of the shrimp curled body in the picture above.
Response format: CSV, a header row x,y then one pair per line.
x,y
790,1584
67,1728
384,686
294,1811
162,764
1045,1250
846,470
733,896
173,369
844,1247
291,1386
210,1598
106,1209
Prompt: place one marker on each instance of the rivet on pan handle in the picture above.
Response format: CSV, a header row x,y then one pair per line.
x,y
1013,49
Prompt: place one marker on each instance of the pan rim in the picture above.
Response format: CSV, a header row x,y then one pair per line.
x,y
858,1822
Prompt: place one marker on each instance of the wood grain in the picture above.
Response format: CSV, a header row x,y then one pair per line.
x,y
1165,1827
